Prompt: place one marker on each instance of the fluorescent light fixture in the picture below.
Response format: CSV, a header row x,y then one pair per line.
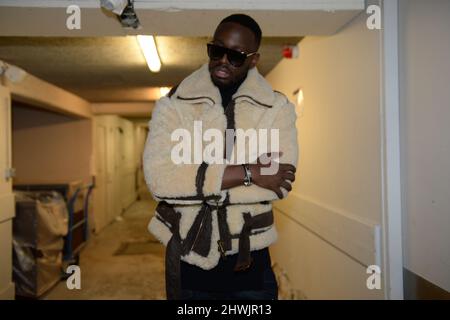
x,y
300,97
148,48
164,90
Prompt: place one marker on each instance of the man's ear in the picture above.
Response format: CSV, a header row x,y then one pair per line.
x,y
254,60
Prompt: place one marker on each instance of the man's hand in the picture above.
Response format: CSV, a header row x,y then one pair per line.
x,y
274,182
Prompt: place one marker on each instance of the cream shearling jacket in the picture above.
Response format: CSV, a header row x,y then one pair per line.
x,y
195,219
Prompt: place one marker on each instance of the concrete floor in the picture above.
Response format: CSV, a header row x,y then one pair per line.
x,y
139,274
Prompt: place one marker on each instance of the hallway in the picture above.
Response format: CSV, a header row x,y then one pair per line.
x,y
85,90
109,270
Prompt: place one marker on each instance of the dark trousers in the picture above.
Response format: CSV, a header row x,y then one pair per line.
x,y
269,292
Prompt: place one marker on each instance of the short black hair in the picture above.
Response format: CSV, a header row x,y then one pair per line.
x,y
248,22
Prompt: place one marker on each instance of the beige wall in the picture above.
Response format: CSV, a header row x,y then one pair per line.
x,y
425,137
330,227
49,146
7,204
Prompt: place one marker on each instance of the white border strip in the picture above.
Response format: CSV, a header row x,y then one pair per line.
x,y
390,121
49,3
354,236
254,5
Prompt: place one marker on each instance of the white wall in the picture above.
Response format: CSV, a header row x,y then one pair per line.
x,y
425,137
328,230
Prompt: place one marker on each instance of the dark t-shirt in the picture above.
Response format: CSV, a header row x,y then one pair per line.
x,y
223,278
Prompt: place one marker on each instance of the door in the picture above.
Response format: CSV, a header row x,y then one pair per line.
x,y
127,164
112,171
6,197
101,201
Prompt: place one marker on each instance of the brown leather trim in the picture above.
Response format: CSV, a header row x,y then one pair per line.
x,y
198,238
260,103
196,98
161,219
285,98
213,102
261,220
254,233
167,212
224,231
200,178
173,250
187,198
172,91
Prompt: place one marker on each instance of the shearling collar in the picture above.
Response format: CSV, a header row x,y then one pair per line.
x,y
199,86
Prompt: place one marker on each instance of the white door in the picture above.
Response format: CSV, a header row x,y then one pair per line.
x,y
111,165
101,200
127,164
6,197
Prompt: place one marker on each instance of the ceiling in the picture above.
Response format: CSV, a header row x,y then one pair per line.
x,y
188,18
113,69
102,62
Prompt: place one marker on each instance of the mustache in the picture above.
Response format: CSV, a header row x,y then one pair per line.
x,y
224,67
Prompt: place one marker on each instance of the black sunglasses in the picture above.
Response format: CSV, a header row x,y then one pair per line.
x,y
235,57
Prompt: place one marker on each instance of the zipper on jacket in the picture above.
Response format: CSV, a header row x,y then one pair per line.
x,y
199,230
221,249
220,243
196,236
225,110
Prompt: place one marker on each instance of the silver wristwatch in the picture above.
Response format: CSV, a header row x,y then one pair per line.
x,y
248,175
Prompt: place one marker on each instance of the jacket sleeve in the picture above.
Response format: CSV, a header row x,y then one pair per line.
x,y
285,122
166,180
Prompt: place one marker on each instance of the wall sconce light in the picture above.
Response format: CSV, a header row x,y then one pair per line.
x,y
300,101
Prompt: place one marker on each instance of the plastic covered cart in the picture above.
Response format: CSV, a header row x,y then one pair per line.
x,y
39,228
76,195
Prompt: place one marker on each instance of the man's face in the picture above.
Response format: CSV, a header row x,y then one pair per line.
x,y
233,36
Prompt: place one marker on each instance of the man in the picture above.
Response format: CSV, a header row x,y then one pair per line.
x,y
216,218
